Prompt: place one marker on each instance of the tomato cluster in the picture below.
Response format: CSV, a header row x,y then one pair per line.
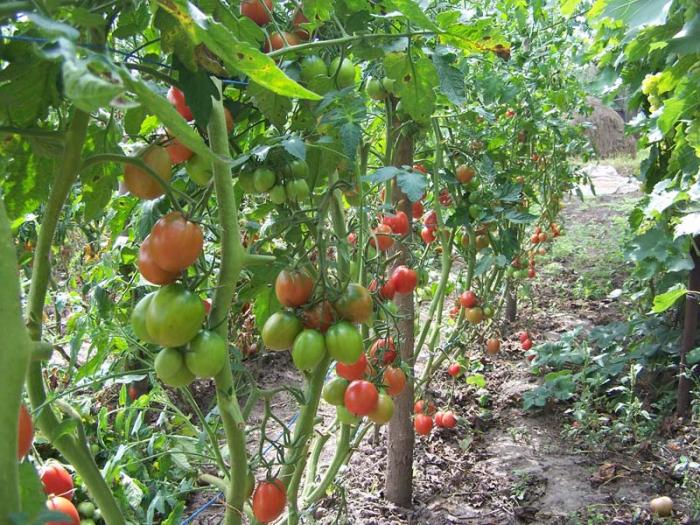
x,y
287,183
427,416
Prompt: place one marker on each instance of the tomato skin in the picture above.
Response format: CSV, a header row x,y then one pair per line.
x,y
25,432
531,273
361,397
56,480
454,369
468,299
420,407
141,184
319,317
138,318
522,336
493,345
148,267
177,98
352,238
206,354
465,174
293,287
404,279
311,67
59,504
178,152
394,380
475,315
430,220
199,170
334,391
356,370
280,330
423,424
387,291
417,209
343,73
308,350
385,348
449,420
420,168
375,89
428,235
255,10
398,223
482,241
527,344
176,243
438,418
344,342
298,19
383,240
277,41
174,316
383,411
355,305
269,500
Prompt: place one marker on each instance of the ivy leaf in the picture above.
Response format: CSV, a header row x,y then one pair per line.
x,y
688,225
274,107
412,183
414,82
666,300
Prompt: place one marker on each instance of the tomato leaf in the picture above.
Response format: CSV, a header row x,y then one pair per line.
x,y
382,175
414,12
31,490
666,300
632,13
451,80
273,106
519,217
414,82
413,184
477,380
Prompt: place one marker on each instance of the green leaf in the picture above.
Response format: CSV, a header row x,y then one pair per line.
x,y
350,135
451,80
519,217
273,106
693,356
31,490
634,13
52,28
414,12
87,90
413,184
568,7
199,91
670,113
133,119
666,300
477,380
295,146
27,89
382,175
414,82
688,225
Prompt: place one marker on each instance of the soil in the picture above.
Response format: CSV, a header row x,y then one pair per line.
x,y
503,465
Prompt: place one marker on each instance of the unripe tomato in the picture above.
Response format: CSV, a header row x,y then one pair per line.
x,y
465,174
174,316
56,480
493,345
308,350
383,411
170,368
263,179
449,420
278,195
454,369
361,397
178,152
423,424
520,179
177,98
299,169
356,370
269,500
319,317
355,305
297,190
527,344
176,243
475,315
488,312
255,10
293,287
141,184
344,342
417,209
199,170
394,380
344,74
280,330
428,235
404,279
345,417
138,318
206,354
482,241
25,432
63,505
384,348
398,223
334,391
383,240
312,67
468,299
375,89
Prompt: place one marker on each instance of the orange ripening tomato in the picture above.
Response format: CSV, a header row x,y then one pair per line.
x,y
493,345
139,183
177,98
465,174
394,380
256,10
178,152
64,506
277,41
319,317
383,240
149,269
293,287
176,243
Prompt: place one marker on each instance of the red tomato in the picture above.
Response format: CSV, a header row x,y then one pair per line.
x,y
522,336
387,291
527,344
255,10
465,174
207,305
423,424
384,240
428,235
531,273
430,220
420,168
454,369
133,393
420,407
298,19
293,287
510,113
535,157
176,243
56,480
148,268
269,500
63,505
445,198
361,397
438,418
417,209
384,348
277,41
394,380
449,420
319,317
25,434
398,223
468,299
352,238
493,345
404,279
178,152
531,357
177,98
357,370
454,312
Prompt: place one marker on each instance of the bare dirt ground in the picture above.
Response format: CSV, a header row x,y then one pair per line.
x,y
503,465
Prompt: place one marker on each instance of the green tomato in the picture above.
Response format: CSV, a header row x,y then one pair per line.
x,y
311,67
474,211
170,368
389,84
87,522
174,315
98,515
299,169
308,349
474,197
263,179
334,391
246,180
280,330
344,74
199,170
488,312
278,195
375,89
86,509
384,410
297,190
138,319
510,272
345,417
473,185
207,354
344,342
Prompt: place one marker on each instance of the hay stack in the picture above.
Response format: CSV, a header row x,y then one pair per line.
x,y
606,130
